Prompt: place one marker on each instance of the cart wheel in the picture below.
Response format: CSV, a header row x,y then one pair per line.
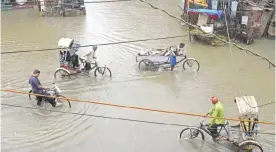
x,y
191,133
191,64
147,64
250,147
102,71
62,74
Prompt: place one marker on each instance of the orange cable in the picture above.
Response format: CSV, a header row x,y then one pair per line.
x,y
137,108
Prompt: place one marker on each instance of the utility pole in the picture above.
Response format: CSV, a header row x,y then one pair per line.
x,y
63,8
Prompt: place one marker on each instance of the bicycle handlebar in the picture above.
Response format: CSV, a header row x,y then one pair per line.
x,y
202,121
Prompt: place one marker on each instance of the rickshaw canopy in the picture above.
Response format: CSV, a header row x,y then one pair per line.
x,y
74,49
65,42
247,106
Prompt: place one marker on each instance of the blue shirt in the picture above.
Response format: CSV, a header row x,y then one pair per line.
x,y
35,83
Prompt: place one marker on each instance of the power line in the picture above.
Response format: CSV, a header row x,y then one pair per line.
x,y
100,44
118,118
197,27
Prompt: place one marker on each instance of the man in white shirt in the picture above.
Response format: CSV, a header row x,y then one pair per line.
x,y
177,50
89,57
181,50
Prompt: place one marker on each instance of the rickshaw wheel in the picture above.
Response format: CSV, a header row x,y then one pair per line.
x,y
249,147
191,63
102,71
63,74
148,64
193,133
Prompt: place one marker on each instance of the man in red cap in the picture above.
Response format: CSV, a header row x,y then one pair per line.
x,y
218,112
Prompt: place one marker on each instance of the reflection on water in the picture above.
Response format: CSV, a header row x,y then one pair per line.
x,y
220,75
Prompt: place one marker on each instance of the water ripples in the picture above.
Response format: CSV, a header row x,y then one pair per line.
x,y
37,129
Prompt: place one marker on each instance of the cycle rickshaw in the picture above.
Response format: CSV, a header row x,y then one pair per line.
x,y
156,58
242,135
70,61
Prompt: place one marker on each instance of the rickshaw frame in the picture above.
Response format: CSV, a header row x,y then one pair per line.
x,y
153,63
246,136
67,45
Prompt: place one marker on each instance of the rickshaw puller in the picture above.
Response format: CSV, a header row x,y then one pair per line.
x,y
89,58
216,111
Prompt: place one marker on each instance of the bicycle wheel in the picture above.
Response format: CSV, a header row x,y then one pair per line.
x,y
191,64
45,105
102,71
146,64
63,100
46,109
250,147
191,133
62,74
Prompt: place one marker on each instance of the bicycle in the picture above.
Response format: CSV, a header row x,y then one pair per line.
x,y
246,145
204,127
67,69
54,92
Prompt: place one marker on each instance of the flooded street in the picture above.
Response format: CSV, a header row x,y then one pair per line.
x,y
221,74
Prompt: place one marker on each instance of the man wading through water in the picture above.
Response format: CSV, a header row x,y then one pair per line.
x,y
89,57
179,51
37,88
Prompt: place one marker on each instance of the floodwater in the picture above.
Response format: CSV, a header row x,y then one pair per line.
x,y
222,74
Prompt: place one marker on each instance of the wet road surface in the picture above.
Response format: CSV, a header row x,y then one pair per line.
x,y
221,74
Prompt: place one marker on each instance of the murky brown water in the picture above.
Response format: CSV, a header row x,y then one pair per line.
x,y
220,75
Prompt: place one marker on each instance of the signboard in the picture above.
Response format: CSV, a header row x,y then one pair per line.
x,y
215,4
199,4
244,20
